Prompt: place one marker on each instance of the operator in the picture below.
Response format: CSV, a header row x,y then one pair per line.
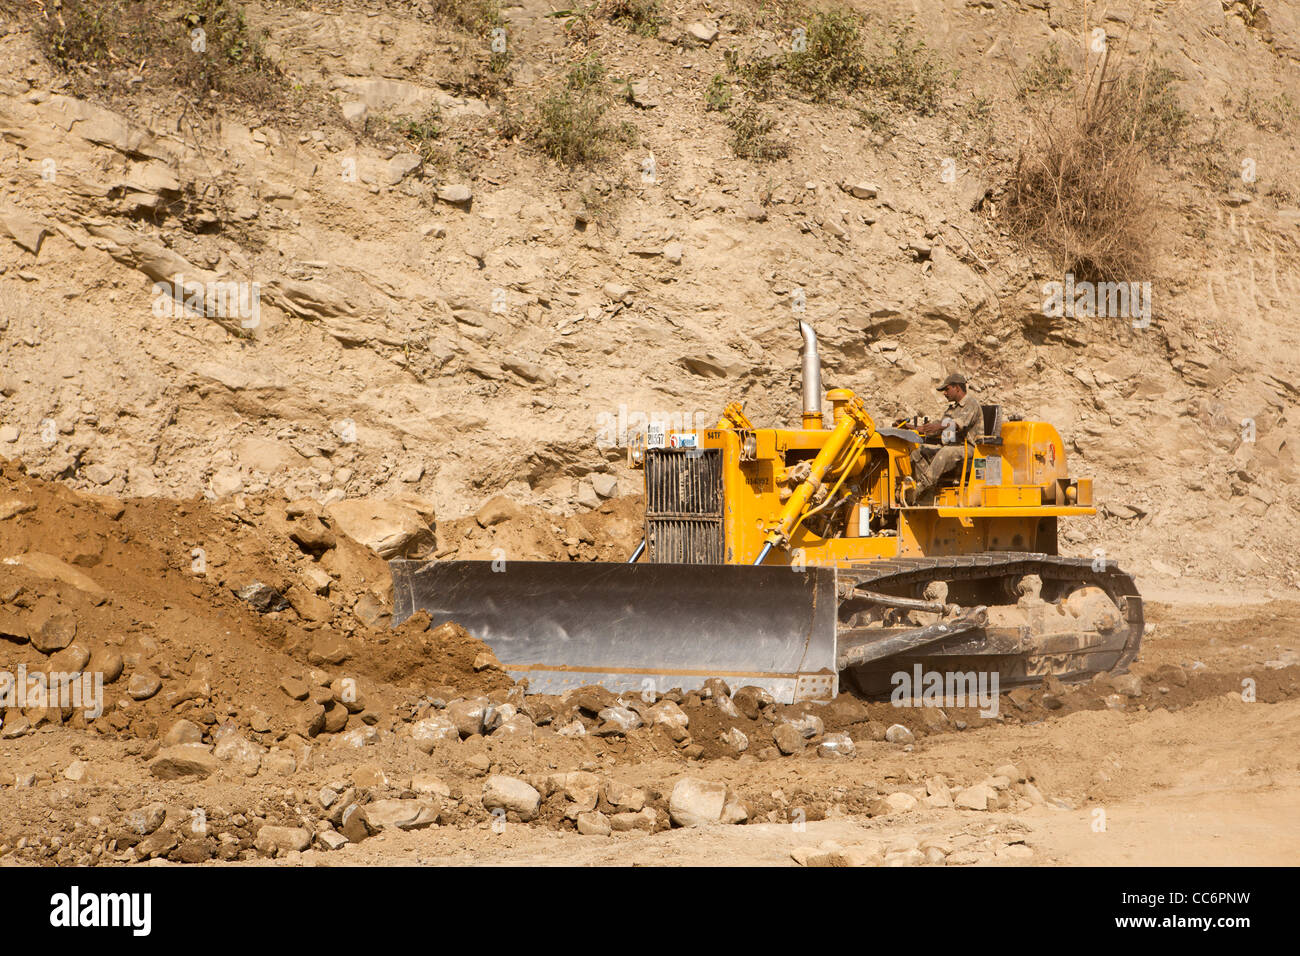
x,y
943,450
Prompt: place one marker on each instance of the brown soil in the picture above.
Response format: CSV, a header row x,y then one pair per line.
x,y
1185,739
189,626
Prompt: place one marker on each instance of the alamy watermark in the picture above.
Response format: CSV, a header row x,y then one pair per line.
x,y
75,909
614,429
922,688
215,299
1108,300
83,691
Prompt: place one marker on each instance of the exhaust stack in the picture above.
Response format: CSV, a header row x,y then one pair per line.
x,y
812,378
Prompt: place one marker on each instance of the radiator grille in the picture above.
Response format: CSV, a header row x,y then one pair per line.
x,y
684,505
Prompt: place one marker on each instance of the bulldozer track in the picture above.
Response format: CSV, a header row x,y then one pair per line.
x,y
903,576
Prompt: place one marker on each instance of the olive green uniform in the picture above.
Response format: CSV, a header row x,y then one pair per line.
x,y
932,462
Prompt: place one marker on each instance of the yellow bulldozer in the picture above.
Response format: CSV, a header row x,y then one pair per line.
x,y
796,559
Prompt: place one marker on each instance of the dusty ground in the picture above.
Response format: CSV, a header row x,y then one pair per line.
x,y
1206,781
1195,765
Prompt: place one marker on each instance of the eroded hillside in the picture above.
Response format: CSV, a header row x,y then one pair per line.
x,y
447,310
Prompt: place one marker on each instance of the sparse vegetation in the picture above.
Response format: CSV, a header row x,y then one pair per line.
x,y
587,74
751,137
423,133
1278,114
641,17
765,13
717,95
508,122
876,120
829,58
1147,105
1209,157
570,124
583,22
203,45
1047,72
601,197
580,24
907,73
1082,188
474,16
977,119
759,75
82,35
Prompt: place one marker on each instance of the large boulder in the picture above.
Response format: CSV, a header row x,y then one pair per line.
x,y
696,802
509,794
389,528
469,716
272,840
184,760
401,814
427,733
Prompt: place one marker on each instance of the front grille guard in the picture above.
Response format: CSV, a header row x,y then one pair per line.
x,y
684,504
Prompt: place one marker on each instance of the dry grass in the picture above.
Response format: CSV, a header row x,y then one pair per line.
x,y
751,135
205,46
570,123
1083,189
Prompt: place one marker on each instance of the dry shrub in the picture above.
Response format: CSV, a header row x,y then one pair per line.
x,y
204,46
751,135
570,123
1083,189
840,59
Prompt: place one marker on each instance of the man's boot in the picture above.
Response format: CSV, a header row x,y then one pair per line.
x,y
907,491
921,483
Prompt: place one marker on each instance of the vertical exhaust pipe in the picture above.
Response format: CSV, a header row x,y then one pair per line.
x,y
812,378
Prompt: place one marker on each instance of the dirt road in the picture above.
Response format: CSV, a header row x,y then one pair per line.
x,y
1187,773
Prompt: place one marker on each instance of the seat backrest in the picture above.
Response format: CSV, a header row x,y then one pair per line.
x,y
992,423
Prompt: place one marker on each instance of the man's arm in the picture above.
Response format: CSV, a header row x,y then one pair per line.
x,y
969,419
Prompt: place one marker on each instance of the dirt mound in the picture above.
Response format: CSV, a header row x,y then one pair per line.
x,y
203,610
284,715
444,656
507,531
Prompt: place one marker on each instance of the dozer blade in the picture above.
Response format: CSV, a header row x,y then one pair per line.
x,y
633,627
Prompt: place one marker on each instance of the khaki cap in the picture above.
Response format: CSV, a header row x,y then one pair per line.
x,y
956,378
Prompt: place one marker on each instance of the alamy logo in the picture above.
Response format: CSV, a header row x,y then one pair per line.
x,y
236,300
614,430
75,909
946,689
83,691
1109,300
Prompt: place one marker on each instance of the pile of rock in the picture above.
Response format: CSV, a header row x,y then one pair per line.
x,y
328,704
1007,788
904,850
